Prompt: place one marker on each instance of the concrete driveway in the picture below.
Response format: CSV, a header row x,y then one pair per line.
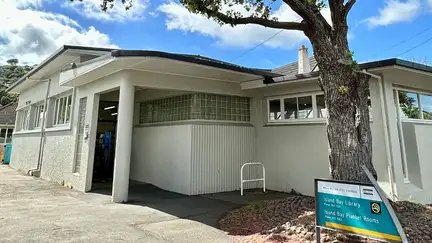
x,y
35,210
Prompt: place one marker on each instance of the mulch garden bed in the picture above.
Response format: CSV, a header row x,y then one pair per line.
x,y
293,220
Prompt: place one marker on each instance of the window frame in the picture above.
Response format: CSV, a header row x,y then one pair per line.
x,y
64,99
418,93
37,119
24,118
281,99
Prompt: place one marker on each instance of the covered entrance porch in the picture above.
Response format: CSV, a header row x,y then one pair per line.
x,y
183,124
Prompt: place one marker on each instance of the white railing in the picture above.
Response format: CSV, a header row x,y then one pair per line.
x,y
251,180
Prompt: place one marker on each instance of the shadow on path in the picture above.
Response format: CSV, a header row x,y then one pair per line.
x,y
207,208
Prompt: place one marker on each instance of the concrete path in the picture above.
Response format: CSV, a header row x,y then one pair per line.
x,y
34,210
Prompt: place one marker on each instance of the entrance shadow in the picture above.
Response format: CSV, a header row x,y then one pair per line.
x,y
206,209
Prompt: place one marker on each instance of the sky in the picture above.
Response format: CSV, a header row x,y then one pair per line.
x,y
31,30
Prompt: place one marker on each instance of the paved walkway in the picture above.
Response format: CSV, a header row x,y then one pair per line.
x,y
34,210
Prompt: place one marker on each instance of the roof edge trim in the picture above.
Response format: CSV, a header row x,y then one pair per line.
x,y
57,53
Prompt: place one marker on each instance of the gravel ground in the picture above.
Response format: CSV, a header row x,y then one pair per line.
x,y
293,220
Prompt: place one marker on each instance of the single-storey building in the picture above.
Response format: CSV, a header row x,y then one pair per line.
x,y
187,123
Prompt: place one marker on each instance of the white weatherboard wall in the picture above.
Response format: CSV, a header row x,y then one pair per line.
x,y
218,152
191,157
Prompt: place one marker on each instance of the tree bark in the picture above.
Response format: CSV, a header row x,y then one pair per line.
x,y
346,94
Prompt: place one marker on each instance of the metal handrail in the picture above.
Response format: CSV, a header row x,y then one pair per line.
x,y
251,180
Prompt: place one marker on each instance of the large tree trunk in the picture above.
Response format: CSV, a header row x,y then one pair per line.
x,y
346,93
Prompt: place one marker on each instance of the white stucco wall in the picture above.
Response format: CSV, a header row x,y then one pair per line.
x,y
424,140
295,154
416,134
412,152
418,139
58,155
25,149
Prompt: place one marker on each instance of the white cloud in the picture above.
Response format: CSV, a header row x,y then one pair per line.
x,y
91,9
28,3
396,11
179,18
29,34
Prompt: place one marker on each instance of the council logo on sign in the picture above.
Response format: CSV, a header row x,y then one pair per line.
x,y
375,207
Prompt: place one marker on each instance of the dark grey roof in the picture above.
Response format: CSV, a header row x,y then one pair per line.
x,y
8,114
291,69
197,59
201,60
396,62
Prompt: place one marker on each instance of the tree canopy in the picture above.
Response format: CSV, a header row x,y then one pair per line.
x,y
9,74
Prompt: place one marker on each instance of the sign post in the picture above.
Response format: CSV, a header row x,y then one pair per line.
x,y
356,208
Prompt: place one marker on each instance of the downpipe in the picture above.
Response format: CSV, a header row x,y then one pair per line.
x,y
37,171
384,113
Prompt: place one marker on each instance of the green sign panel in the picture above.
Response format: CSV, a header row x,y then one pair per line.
x,y
356,208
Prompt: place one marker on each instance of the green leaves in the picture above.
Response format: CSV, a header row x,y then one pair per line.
x,y
320,4
109,4
9,74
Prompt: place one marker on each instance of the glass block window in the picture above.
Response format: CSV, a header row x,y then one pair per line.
x,y
197,106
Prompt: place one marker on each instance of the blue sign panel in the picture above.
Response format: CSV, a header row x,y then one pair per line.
x,y
354,208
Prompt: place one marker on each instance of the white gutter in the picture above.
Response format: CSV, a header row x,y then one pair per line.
x,y
291,80
384,113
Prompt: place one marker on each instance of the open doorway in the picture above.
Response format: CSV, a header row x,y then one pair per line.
x,y
103,167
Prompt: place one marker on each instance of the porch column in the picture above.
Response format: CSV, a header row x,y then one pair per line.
x,y
123,142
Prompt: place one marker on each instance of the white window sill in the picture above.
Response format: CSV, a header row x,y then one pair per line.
x,y
418,121
27,131
295,122
58,128
195,121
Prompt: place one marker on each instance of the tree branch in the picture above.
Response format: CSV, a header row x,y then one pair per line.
x,y
310,14
348,6
260,21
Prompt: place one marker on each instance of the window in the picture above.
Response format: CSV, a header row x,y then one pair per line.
x,y
23,118
9,133
275,110
62,110
38,116
198,106
287,108
413,105
426,105
6,135
321,108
